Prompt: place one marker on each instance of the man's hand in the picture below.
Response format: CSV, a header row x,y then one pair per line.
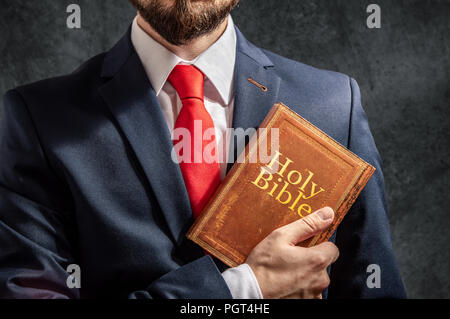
x,y
284,270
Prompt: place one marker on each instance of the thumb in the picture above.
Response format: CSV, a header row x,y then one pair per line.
x,y
308,226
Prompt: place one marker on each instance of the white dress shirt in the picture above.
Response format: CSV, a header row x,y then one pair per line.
x,y
217,64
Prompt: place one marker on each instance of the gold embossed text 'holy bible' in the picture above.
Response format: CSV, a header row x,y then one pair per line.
x,y
298,173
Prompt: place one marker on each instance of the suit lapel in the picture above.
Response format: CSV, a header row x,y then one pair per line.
x,y
134,105
252,103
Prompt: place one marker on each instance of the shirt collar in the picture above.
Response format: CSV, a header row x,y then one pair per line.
x,y
217,62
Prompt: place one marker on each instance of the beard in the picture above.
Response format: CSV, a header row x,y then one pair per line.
x,y
185,20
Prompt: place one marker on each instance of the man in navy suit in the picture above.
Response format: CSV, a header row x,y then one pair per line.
x,y
87,177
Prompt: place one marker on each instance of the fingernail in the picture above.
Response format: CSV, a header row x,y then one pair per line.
x,y
326,213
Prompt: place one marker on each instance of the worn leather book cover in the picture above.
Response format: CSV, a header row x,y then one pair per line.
x,y
299,172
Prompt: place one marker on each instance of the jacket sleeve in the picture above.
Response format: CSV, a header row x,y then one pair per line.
x,y
35,249
37,226
199,279
363,238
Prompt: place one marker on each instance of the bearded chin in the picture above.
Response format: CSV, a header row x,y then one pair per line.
x,y
185,20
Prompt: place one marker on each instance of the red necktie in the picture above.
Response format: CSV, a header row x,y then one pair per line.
x,y
201,175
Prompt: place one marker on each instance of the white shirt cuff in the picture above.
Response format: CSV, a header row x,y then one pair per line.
x,y
242,282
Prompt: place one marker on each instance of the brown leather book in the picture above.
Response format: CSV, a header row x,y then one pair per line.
x,y
298,173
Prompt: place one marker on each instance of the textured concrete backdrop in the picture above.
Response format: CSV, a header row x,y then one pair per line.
x,y
403,70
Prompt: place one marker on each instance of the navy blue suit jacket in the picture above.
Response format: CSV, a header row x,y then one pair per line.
x,y
86,178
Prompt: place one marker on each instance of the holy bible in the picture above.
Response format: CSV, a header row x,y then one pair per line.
x,y
305,170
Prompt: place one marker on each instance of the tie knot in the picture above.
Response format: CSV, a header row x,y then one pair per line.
x,y
187,81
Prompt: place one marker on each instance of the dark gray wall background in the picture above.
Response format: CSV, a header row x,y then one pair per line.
x,y
403,70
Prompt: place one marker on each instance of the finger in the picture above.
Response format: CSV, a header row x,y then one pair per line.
x,y
298,295
326,253
307,227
